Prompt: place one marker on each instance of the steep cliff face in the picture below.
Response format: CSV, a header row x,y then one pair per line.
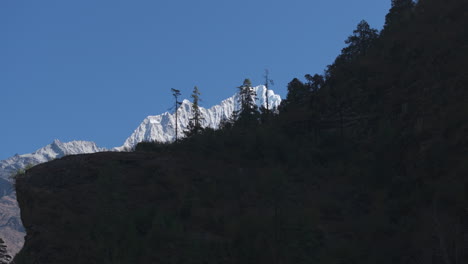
x,y
153,128
11,229
119,208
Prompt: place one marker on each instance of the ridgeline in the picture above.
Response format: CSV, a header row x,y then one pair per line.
x,y
366,163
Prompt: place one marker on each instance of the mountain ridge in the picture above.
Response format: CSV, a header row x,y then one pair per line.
x,y
161,127
150,129
11,229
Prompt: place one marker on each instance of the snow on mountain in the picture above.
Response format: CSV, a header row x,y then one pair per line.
x,y
161,127
153,128
11,228
52,151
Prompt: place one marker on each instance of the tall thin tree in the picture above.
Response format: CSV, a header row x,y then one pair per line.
x,y
176,93
268,82
195,126
247,97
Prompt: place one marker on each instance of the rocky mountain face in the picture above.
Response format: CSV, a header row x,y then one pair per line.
x,y
11,228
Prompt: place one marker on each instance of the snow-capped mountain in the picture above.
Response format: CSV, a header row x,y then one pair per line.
x,y
11,228
52,151
161,127
153,128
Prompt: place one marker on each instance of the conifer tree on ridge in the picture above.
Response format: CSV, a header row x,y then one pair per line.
x,y
265,110
194,126
248,108
176,93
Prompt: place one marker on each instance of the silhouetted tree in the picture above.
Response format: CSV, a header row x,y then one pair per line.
x,y
360,41
268,82
314,83
248,109
176,93
194,126
265,109
297,94
399,13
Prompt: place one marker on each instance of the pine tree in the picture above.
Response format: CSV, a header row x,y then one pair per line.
x,y
315,82
4,257
399,13
195,126
297,95
176,93
248,109
362,39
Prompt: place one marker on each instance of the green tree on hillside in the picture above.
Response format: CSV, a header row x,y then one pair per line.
x,y
194,126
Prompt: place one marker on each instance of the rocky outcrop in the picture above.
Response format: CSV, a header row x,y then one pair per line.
x,y
113,208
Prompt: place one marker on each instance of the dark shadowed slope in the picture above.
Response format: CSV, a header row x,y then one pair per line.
x,y
367,164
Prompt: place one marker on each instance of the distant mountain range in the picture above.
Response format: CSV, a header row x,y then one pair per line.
x,y
52,151
153,128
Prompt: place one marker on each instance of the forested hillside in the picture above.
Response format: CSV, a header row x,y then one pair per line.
x,y
365,163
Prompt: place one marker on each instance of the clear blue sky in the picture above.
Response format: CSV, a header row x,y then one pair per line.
x,y
94,69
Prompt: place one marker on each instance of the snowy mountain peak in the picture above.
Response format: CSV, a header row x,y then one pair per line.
x,y
11,229
153,128
52,151
161,127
